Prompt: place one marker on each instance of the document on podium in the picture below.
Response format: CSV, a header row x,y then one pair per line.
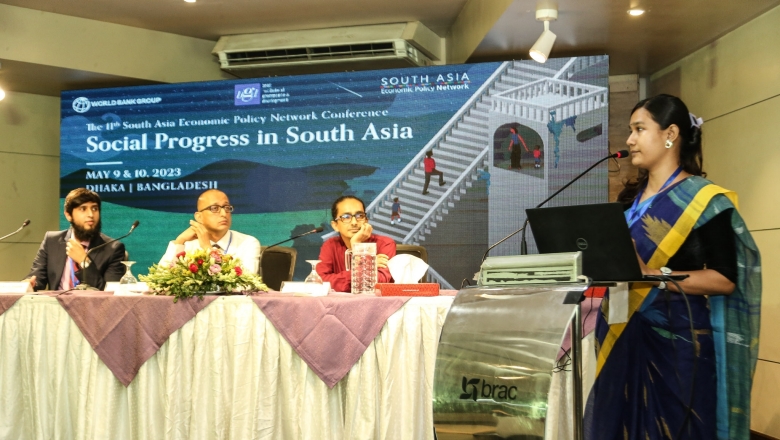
x,y
618,304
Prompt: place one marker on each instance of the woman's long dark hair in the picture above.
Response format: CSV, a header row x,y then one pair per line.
x,y
665,111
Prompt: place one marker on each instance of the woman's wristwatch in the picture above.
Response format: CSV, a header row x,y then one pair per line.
x,y
665,271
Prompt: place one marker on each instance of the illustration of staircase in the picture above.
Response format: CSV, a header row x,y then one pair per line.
x,y
461,150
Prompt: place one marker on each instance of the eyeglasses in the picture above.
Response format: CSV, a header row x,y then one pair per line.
x,y
215,208
359,217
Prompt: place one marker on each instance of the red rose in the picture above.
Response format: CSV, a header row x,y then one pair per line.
x,y
193,268
238,270
200,262
180,254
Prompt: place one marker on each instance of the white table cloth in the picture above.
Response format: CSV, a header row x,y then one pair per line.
x,y
226,374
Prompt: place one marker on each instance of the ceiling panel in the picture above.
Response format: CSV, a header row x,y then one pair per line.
x,y
668,31
643,45
210,19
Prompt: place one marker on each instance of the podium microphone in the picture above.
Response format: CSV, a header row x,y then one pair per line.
x,y
313,231
87,286
24,225
523,244
618,155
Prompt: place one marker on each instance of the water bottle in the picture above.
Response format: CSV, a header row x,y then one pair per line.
x,y
361,260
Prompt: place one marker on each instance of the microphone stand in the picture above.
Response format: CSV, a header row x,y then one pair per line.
x,y
523,243
313,231
85,285
24,225
501,241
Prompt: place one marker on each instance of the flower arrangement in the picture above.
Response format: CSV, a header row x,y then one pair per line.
x,y
199,272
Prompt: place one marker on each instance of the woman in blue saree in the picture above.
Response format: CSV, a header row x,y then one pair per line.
x,y
682,366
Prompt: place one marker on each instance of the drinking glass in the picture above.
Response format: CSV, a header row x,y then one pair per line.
x,y
128,277
313,277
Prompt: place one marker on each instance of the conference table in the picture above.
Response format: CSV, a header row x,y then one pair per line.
x,y
267,366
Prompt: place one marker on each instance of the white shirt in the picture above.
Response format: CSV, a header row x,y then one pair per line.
x,y
244,247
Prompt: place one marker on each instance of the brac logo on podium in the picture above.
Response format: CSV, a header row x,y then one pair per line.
x,y
486,390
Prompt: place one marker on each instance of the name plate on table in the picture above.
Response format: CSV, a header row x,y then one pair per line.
x,y
126,289
397,289
305,289
15,287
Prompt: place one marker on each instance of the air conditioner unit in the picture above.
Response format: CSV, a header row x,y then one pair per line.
x,y
327,50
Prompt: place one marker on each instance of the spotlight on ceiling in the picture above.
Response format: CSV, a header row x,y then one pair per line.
x,y
190,1
636,12
540,51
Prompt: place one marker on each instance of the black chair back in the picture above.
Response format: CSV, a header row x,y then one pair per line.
x,y
277,264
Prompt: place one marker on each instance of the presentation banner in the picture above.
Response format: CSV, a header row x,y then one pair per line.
x,y
284,148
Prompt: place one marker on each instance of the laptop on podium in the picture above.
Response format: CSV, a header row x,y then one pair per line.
x,y
599,231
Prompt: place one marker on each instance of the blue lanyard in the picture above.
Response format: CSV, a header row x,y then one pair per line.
x,y
230,240
638,210
73,279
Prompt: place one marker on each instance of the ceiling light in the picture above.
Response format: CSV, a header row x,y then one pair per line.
x,y
540,51
190,1
636,11
2,94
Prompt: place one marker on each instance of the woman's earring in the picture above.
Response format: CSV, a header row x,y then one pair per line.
x,y
669,144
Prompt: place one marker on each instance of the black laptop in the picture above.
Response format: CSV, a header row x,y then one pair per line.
x,y
599,231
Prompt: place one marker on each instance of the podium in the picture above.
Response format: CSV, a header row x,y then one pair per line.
x,y
497,360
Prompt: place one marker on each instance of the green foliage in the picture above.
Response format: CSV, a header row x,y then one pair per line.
x,y
200,272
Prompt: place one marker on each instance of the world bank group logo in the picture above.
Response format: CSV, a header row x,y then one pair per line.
x,y
81,105
247,94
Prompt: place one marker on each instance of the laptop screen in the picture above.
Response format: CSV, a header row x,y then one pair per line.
x,y
599,231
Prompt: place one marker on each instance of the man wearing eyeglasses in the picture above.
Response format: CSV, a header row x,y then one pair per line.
x,y
351,222
211,230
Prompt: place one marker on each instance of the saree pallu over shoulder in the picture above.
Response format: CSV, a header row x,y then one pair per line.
x,y
674,225
734,318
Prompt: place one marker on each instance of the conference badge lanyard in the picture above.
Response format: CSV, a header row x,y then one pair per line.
x,y
230,240
72,264
638,210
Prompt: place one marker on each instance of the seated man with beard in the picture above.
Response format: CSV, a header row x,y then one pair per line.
x,y
62,262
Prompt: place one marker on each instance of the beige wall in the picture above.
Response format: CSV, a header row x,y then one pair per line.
x,y
734,85
29,124
56,40
29,177
623,96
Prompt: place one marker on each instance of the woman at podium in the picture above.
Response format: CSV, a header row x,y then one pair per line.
x,y
682,366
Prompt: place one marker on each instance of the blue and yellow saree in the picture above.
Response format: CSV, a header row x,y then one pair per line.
x,y
648,367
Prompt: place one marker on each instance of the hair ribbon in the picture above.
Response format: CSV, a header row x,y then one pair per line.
x,y
695,122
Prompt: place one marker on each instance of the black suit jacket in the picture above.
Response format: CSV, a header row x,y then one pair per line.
x,y
50,262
